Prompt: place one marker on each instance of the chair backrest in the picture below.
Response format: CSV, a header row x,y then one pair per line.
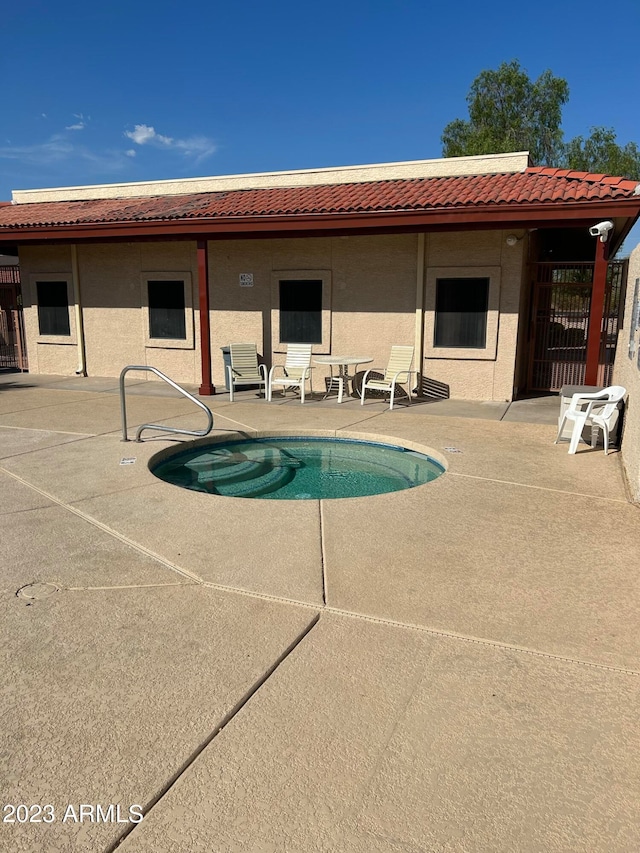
x,y
298,360
608,399
244,360
400,361
614,393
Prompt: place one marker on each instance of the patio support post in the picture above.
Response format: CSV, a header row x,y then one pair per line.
x,y
419,331
207,388
594,333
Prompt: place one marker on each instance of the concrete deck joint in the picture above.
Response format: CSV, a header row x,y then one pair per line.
x,y
323,554
263,596
539,488
105,528
228,717
126,586
41,429
480,641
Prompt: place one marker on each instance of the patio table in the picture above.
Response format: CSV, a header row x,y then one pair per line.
x,y
342,362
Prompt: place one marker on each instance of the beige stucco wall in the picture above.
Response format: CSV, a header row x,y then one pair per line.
x,y
627,373
373,286
61,358
476,376
111,297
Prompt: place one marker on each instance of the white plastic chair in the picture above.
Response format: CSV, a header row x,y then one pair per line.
x,y
397,372
244,368
604,402
297,369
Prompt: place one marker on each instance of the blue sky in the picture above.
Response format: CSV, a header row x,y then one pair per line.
x,y
129,91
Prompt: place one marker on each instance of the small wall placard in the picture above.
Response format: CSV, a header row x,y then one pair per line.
x,y
246,279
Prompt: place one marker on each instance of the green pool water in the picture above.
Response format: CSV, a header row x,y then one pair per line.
x,y
297,468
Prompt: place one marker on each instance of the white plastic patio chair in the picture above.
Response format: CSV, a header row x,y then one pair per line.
x,y
297,369
605,404
398,372
244,368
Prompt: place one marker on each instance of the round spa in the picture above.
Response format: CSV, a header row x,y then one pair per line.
x,y
296,468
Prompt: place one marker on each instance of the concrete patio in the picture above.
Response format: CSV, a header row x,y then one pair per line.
x,y
449,668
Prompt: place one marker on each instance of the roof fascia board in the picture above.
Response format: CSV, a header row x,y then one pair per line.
x,y
393,221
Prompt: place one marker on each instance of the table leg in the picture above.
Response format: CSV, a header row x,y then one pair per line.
x,y
342,379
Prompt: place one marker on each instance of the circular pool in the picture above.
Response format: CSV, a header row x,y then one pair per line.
x,y
295,468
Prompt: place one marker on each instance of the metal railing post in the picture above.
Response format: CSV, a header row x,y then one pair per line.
x,y
156,372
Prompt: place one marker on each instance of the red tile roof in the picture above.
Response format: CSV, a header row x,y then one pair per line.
x,y
535,186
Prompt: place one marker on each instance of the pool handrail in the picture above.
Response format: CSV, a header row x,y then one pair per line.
x,y
154,370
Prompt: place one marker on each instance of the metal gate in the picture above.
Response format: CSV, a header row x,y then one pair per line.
x,y
13,351
561,300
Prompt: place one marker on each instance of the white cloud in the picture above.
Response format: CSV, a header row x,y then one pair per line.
x,y
197,147
59,150
62,152
142,134
79,125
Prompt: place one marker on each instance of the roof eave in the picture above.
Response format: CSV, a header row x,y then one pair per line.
x,y
478,216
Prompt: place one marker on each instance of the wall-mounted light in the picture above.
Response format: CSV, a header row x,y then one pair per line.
x,y
512,240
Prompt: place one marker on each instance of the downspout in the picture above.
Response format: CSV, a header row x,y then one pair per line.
x,y
594,334
75,276
419,330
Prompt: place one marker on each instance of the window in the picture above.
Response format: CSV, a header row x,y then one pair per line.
x,y
301,311
53,308
166,310
461,313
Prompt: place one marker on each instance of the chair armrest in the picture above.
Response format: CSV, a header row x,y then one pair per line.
x,y
591,400
403,373
274,368
372,370
588,397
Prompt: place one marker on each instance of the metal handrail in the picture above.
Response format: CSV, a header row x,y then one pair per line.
x,y
123,407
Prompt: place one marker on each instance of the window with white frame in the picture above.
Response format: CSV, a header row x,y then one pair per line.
x,y
461,312
167,310
301,309
52,297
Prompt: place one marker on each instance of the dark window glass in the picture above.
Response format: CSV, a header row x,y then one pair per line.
x,y
53,308
166,310
461,312
301,312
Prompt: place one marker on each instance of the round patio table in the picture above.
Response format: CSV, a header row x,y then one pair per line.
x,y
343,363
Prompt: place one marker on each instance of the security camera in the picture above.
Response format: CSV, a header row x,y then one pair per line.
x,y
601,230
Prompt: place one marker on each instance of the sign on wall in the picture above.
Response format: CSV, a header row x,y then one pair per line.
x,y
246,279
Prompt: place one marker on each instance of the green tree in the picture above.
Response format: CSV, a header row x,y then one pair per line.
x,y
510,112
601,153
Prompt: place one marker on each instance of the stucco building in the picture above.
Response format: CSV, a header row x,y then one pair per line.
x,y
484,264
